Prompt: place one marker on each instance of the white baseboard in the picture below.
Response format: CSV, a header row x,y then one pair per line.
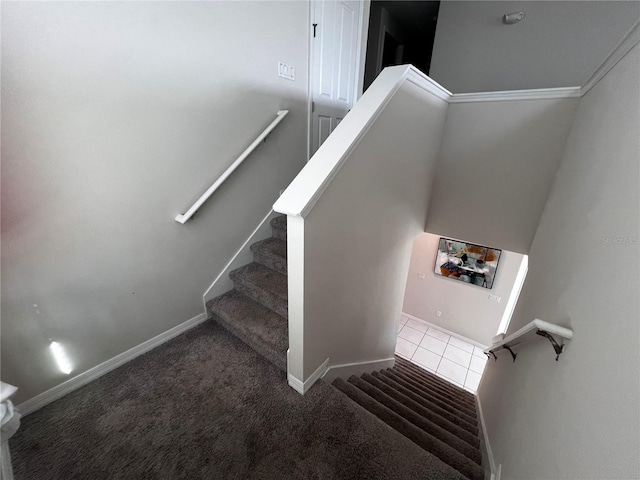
x,y
346,370
495,473
243,256
6,471
444,330
53,394
303,387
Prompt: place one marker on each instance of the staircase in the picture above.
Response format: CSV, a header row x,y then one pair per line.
x,y
255,311
436,415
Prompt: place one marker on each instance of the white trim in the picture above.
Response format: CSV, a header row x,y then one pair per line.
x,y
222,282
309,78
347,369
428,84
444,330
6,470
365,11
303,387
96,372
536,94
307,188
513,297
626,44
492,464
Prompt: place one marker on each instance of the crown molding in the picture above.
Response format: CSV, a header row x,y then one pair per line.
x,y
534,94
630,40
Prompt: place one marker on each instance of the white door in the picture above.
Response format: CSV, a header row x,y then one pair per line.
x,y
336,35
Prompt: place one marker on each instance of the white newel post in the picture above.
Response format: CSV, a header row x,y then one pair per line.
x,y
9,423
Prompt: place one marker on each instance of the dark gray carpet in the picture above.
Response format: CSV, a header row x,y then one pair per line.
x,y
206,406
407,398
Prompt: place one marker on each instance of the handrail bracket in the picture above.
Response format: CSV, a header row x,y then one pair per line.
x,y
556,347
513,355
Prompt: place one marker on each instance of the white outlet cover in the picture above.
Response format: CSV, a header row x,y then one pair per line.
x,y
494,298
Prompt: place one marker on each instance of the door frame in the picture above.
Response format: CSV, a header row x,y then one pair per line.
x,y
361,55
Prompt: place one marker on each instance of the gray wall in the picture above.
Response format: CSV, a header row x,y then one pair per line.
x,y
466,309
115,117
358,237
495,169
558,44
578,417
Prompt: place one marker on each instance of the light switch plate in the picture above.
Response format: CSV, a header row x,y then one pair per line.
x,y
286,71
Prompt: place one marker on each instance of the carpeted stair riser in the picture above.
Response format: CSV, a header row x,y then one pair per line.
x,y
444,383
466,396
447,395
429,410
262,285
445,410
450,407
438,448
418,415
279,227
451,389
423,383
437,394
272,253
257,326
421,397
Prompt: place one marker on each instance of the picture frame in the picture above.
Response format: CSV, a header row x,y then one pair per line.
x,y
467,262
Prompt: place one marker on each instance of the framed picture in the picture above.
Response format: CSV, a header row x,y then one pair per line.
x,y
467,262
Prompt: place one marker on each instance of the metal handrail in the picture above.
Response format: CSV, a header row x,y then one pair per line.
x,y
183,218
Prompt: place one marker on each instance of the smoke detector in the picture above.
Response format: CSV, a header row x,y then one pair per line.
x,y
511,18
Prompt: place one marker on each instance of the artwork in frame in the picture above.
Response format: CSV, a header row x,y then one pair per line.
x,y
467,262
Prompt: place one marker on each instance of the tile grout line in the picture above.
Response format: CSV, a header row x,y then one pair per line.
x,y
467,369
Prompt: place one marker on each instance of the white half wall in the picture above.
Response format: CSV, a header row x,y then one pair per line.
x,y
493,151
578,417
358,236
353,213
558,44
116,116
465,309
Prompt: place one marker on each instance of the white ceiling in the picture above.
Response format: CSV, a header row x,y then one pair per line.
x,y
558,44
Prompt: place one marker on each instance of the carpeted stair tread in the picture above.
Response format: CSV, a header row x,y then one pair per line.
x,y
448,395
429,410
257,326
279,227
435,387
436,392
415,415
263,285
271,253
468,396
426,393
434,379
444,452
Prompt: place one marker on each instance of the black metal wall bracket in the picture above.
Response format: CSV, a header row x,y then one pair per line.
x,y
494,356
556,347
513,355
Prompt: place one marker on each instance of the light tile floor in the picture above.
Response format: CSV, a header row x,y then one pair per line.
x,y
455,360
